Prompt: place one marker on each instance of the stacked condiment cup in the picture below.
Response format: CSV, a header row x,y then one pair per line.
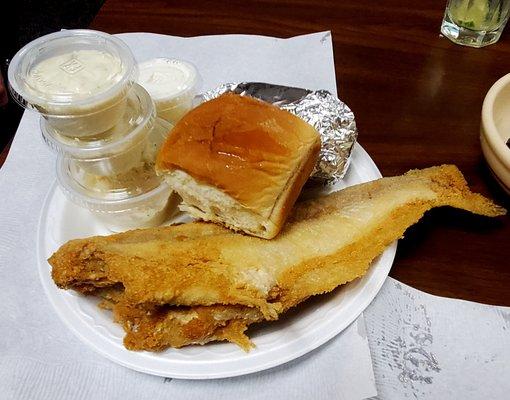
x,y
172,85
78,80
101,124
114,176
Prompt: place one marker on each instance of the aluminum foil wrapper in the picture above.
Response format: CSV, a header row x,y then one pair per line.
x,y
324,111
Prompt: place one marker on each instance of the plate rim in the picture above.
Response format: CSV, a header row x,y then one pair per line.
x,y
56,295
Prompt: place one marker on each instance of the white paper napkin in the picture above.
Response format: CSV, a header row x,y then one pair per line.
x,y
41,359
429,347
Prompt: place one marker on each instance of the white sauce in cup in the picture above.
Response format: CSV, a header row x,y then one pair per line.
x,y
77,74
172,85
77,79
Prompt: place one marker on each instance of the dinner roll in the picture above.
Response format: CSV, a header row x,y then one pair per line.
x,y
240,162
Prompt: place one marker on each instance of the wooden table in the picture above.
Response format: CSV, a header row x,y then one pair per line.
x,y
417,99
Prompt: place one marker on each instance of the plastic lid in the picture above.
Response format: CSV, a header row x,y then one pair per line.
x,y
71,68
134,126
166,79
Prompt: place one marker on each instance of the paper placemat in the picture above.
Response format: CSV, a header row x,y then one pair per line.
x,y
429,347
41,359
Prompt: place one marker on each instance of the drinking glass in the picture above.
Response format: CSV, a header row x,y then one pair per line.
x,y
475,23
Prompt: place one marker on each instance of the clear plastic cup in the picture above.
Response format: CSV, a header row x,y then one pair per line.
x,y
136,198
119,210
124,145
77,79
138,179
172,85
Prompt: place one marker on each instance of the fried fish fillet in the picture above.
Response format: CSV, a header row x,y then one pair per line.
x,y
155,328
215,272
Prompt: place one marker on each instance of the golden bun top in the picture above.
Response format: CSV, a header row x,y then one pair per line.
x,y
248,148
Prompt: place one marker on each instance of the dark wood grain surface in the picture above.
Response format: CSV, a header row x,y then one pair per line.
x,y
417,99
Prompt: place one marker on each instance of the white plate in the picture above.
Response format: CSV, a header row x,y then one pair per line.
x,y
303,330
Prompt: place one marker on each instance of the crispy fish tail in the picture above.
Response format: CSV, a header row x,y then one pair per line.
x,y
437,186
452,189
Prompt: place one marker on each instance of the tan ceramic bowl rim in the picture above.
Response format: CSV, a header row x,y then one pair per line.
x,y
490,131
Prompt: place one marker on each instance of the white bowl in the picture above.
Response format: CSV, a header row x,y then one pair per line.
x,y
495,130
